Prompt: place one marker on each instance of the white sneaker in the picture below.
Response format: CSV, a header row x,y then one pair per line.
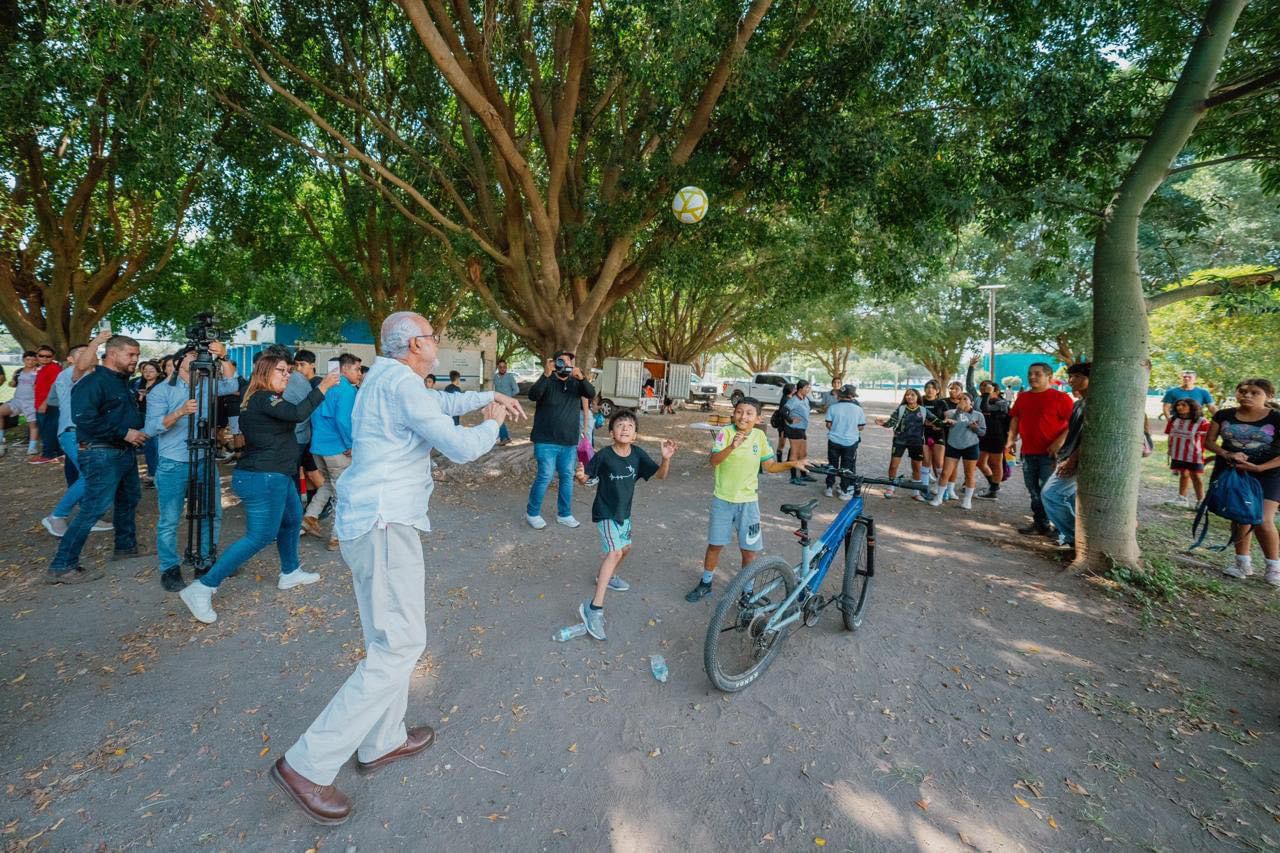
x,y
966,502
846,496
1273,577
102,527
1235,570
535,521
568,521
888,491
827,492
199,600
938,497
56,526
297,577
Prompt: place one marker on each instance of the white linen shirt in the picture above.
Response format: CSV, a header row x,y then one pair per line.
x,y
395,424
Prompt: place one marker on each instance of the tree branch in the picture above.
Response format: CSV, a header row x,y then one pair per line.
x,y
1212,287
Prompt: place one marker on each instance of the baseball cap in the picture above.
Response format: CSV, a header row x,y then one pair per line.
x,y
847,392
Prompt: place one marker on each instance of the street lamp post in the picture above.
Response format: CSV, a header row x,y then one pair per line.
x,y
991,325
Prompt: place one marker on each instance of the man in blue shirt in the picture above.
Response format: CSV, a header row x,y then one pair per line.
x,y
169,407
108,428
1188,391
331,441
845,420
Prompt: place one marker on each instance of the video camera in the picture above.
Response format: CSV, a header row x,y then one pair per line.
x,y
202,332
563,368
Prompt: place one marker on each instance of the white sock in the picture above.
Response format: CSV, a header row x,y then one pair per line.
x,y
1244,561
1273,565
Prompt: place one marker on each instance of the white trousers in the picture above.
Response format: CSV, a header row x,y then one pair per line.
x,y
367,713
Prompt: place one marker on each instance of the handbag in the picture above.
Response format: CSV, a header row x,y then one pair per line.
x,y
585,450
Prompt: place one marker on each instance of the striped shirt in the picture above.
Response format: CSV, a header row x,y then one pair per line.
x,y
1186,439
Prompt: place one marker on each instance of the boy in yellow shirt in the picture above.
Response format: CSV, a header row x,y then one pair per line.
x,y
738,454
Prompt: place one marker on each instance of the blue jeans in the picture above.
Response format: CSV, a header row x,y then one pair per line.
x,y
75,491
171,492
110,478
48,423
553,460
1059,499
272,511
1036,471
151,452
503,433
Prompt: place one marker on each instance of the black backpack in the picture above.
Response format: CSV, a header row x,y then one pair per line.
x,y
779,419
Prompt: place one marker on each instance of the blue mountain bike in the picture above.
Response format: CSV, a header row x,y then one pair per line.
x,y
770,596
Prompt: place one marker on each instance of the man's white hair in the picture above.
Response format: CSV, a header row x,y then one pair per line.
x,y
398,330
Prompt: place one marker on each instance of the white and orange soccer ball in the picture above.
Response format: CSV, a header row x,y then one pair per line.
x,y
689,205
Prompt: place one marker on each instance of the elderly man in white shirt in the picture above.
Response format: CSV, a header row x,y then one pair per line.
x,y
382,506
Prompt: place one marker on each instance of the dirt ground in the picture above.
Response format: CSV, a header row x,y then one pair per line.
x,y
989,701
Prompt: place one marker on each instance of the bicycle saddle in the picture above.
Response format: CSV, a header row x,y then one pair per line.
x,y
803,511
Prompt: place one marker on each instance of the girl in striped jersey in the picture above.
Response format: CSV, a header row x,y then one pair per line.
x,y
1186,430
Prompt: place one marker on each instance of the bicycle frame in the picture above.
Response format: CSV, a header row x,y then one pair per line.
x,y
815,561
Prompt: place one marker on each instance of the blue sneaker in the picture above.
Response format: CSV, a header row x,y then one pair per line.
x,y
617,584
593,619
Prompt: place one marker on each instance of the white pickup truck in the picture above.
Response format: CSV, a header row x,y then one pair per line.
x,y
767,388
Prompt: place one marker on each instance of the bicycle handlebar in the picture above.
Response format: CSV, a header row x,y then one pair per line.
x,y
860,480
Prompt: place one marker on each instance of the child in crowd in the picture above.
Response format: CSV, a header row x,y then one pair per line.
x,y
965,427
845,420
617,467
908,423
1186,430
779,420
24,399
738,454
1247,438
935,434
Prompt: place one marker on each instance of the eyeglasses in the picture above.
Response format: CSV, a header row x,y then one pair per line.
x,y
433,336
44,355
281,370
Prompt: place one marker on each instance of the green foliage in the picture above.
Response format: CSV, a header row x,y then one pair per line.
x,y
1221,346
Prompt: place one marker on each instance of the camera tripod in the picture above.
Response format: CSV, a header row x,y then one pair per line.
x,y
202,478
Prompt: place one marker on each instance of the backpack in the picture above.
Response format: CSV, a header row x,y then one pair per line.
x,y
1233,495
779,419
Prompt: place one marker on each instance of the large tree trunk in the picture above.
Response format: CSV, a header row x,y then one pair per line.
x,y
1111,443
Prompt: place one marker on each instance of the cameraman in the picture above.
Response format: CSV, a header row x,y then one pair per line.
x,y
169,405
557,426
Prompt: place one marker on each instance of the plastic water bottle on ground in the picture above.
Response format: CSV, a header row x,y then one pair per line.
x,y
658,664
569,632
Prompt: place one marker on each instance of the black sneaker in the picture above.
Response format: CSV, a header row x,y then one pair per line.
x,y
989,494
1028,529
807,479
125,553
171,579
699,592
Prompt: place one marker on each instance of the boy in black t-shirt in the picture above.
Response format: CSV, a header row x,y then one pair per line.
x,y
617,467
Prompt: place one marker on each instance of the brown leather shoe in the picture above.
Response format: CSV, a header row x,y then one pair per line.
x,y
419,739
322,803
311,525
333,545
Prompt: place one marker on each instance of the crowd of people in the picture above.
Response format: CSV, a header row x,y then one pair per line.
x,y
949,440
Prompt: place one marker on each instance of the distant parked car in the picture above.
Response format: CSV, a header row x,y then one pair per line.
x,y
703,393
767,388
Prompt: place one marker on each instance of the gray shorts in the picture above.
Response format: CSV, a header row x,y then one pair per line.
x,y
730,518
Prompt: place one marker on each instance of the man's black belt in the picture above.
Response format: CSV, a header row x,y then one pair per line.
x,y
100,445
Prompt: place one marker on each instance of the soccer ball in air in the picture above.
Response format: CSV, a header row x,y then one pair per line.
x,y
689,205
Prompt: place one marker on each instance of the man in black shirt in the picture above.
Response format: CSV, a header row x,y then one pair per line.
x,y
108,430
1059,492
557,425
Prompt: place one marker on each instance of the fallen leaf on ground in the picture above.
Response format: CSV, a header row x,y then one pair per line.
x,y
573,747
1076,789
1021,802
923,805
1053,822
264,751
820,841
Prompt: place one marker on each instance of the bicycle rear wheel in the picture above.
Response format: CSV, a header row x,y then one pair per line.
x,y
737,651
857,582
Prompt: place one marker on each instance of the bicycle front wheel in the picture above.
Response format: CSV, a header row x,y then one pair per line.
x,y
857,582
738,650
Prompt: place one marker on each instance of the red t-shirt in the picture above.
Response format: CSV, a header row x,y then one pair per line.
x,y
45,377
1042,416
